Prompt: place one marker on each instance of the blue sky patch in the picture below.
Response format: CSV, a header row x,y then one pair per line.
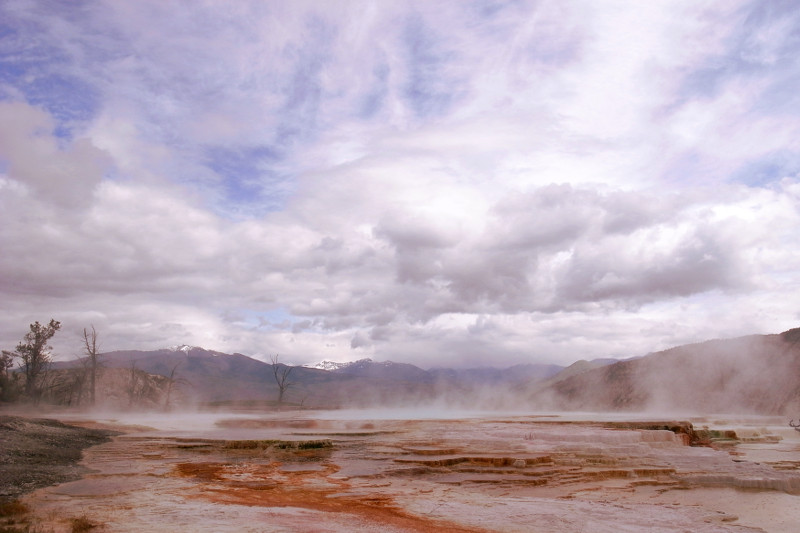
x,y
38,70
373,101
249,176
68,99
769,169
429,91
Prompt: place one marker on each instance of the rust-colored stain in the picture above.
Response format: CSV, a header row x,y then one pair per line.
x,y
266,485
201,471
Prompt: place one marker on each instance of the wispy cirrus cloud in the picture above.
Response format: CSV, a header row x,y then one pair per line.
x,y
439,183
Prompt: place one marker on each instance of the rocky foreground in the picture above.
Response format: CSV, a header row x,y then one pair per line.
x,y
339,472
36,453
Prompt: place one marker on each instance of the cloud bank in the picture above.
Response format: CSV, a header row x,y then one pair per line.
x,y
445,184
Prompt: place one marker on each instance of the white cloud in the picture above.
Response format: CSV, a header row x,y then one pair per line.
x,y
438,183
33,158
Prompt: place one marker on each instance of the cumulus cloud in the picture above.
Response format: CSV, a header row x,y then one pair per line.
x,y
33,157
438,183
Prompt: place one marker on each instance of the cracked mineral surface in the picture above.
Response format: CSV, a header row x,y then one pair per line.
x,y
341,471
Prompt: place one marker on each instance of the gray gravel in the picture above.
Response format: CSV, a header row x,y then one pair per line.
x,y
37,452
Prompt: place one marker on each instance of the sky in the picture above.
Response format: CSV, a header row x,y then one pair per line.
x,y
454,183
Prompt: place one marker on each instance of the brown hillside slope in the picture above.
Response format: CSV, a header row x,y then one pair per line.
x,y
752,374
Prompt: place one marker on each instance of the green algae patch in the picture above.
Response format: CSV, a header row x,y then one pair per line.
x,y
277,444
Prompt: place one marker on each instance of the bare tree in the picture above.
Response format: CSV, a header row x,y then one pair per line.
x,y
795,426
281,373
133,385
172,381
72,388
92,360
34,353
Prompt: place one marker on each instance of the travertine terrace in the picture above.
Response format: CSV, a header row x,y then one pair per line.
x,y
342,471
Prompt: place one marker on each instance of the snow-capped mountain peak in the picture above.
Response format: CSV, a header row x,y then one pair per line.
x,y
182,348
331,366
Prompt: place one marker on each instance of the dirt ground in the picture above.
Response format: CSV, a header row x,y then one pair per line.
x,y
381,472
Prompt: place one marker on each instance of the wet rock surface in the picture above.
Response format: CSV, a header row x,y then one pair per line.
x,y
295,472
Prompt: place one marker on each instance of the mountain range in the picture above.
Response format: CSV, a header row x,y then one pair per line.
x,y
750,374
214,378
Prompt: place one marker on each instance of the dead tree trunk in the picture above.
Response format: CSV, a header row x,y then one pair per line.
x,y
92,363
133,385
281,373
172,381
